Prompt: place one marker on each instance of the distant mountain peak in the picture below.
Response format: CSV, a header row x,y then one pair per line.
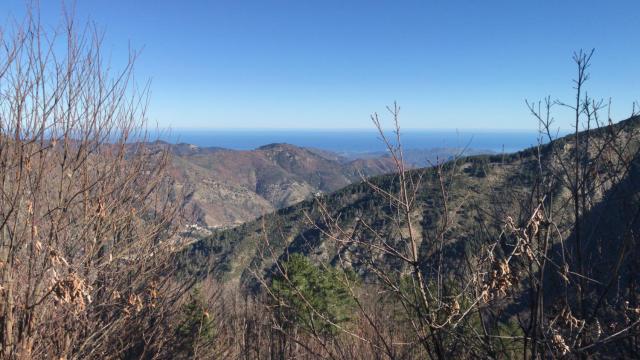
x,y
235,186
278,146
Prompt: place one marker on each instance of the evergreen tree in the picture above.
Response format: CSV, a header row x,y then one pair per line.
x,y
196,327
312,297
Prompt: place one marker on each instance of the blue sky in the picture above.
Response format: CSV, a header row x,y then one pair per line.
x,y
329,64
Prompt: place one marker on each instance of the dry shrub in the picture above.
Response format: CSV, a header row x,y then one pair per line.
x,y
87,215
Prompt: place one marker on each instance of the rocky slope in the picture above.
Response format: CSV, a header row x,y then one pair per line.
x,y
229,187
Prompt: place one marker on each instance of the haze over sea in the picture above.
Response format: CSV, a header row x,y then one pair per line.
x,y
355,141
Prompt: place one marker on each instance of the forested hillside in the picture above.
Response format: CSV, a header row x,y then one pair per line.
x,y
492,237
481,191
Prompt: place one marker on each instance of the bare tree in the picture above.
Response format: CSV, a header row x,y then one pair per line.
x,y
581,189
549,273
87,215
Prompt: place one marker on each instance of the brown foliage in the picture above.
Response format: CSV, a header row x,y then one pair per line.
x,y
87,221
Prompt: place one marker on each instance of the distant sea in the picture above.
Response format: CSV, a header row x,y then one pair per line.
x,y
355,141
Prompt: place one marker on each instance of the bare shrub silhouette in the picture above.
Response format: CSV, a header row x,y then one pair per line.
x,y
87,214
549,273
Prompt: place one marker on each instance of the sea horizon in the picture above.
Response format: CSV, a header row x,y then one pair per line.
x,y
353,141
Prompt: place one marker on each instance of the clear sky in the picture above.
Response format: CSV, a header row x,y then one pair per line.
x,y
330,63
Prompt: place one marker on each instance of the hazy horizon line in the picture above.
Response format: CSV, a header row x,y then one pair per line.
x,y
372,130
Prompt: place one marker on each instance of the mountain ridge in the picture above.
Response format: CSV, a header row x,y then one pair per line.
x,y
485,189
228,187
